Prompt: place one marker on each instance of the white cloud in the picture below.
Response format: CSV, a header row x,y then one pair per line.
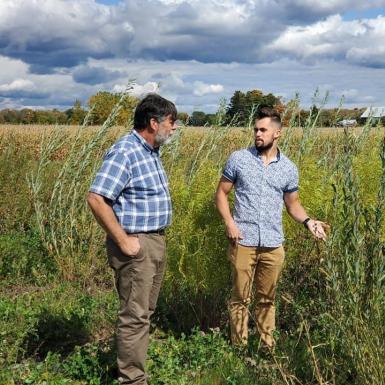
x,y
55,33
204,89
11,69
350,93
333,6
65,34
17,85
373,55
179,79
137,90
358,41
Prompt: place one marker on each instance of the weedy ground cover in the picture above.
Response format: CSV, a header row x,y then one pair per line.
x,y
57,306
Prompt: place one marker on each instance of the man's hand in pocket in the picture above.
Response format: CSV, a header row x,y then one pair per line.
x,y
129,245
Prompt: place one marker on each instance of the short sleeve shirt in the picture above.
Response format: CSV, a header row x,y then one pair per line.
x,y
133,179
259,193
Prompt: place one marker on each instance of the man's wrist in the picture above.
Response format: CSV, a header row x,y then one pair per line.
x,y
306,221
121,237
229,222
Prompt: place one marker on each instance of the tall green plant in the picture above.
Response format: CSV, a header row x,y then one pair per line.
x,y
310,130
355,271
65,223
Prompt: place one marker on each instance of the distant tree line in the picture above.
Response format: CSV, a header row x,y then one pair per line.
x,y
29,116
242,107
327,117
99,107
240,111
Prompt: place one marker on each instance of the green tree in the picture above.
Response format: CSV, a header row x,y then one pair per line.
x,y
43,117
103,102
184,117
243,104
58,117
76,114
237,107
211,119
198,118
27,116
326,118
10,116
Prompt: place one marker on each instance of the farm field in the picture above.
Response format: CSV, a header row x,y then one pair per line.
x,y
57,302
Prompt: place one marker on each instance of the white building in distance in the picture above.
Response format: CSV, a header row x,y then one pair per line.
x,y
374,113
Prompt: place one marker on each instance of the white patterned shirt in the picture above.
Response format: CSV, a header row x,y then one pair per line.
x,y
259,193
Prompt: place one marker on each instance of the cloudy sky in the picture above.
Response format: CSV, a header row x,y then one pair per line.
x,y
53,52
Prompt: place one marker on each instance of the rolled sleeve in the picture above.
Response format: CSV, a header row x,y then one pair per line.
x,y
293,181
230,169
113,175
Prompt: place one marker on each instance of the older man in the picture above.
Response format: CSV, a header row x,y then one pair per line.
x,y
264,179
130,200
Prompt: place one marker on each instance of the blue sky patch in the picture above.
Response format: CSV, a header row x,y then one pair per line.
x,y
108,2
363,14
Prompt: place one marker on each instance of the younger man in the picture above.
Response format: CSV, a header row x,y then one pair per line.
x,y
264,179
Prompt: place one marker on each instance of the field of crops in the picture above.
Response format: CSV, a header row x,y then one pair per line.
x,y
58,307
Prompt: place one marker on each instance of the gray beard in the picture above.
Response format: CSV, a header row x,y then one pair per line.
x,y
160,140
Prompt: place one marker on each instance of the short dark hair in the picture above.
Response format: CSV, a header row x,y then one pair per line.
x,y
268,112
153,106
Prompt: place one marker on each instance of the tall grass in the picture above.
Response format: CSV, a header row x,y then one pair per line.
x,y
65,224
331,303
355,269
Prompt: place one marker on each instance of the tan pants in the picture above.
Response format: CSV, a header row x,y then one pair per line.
x,y
138,280
263,266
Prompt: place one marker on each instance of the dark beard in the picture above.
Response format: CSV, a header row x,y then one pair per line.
x,y
264,147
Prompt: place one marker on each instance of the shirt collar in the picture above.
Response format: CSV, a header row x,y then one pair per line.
x,y
144,143
258,154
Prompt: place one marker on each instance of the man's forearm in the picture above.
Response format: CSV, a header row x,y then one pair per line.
x,y
106,218
222,203
297,212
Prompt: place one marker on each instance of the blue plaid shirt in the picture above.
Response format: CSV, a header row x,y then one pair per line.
x,y
133,179
259,193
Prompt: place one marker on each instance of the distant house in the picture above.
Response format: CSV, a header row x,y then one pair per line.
x,y
374,113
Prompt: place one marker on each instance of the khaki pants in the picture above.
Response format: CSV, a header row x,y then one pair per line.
x,y
138,279
263,266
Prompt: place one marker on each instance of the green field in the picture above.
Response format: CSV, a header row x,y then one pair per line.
x,y
58,307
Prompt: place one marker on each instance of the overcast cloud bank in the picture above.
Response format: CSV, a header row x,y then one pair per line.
x,y
53,52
